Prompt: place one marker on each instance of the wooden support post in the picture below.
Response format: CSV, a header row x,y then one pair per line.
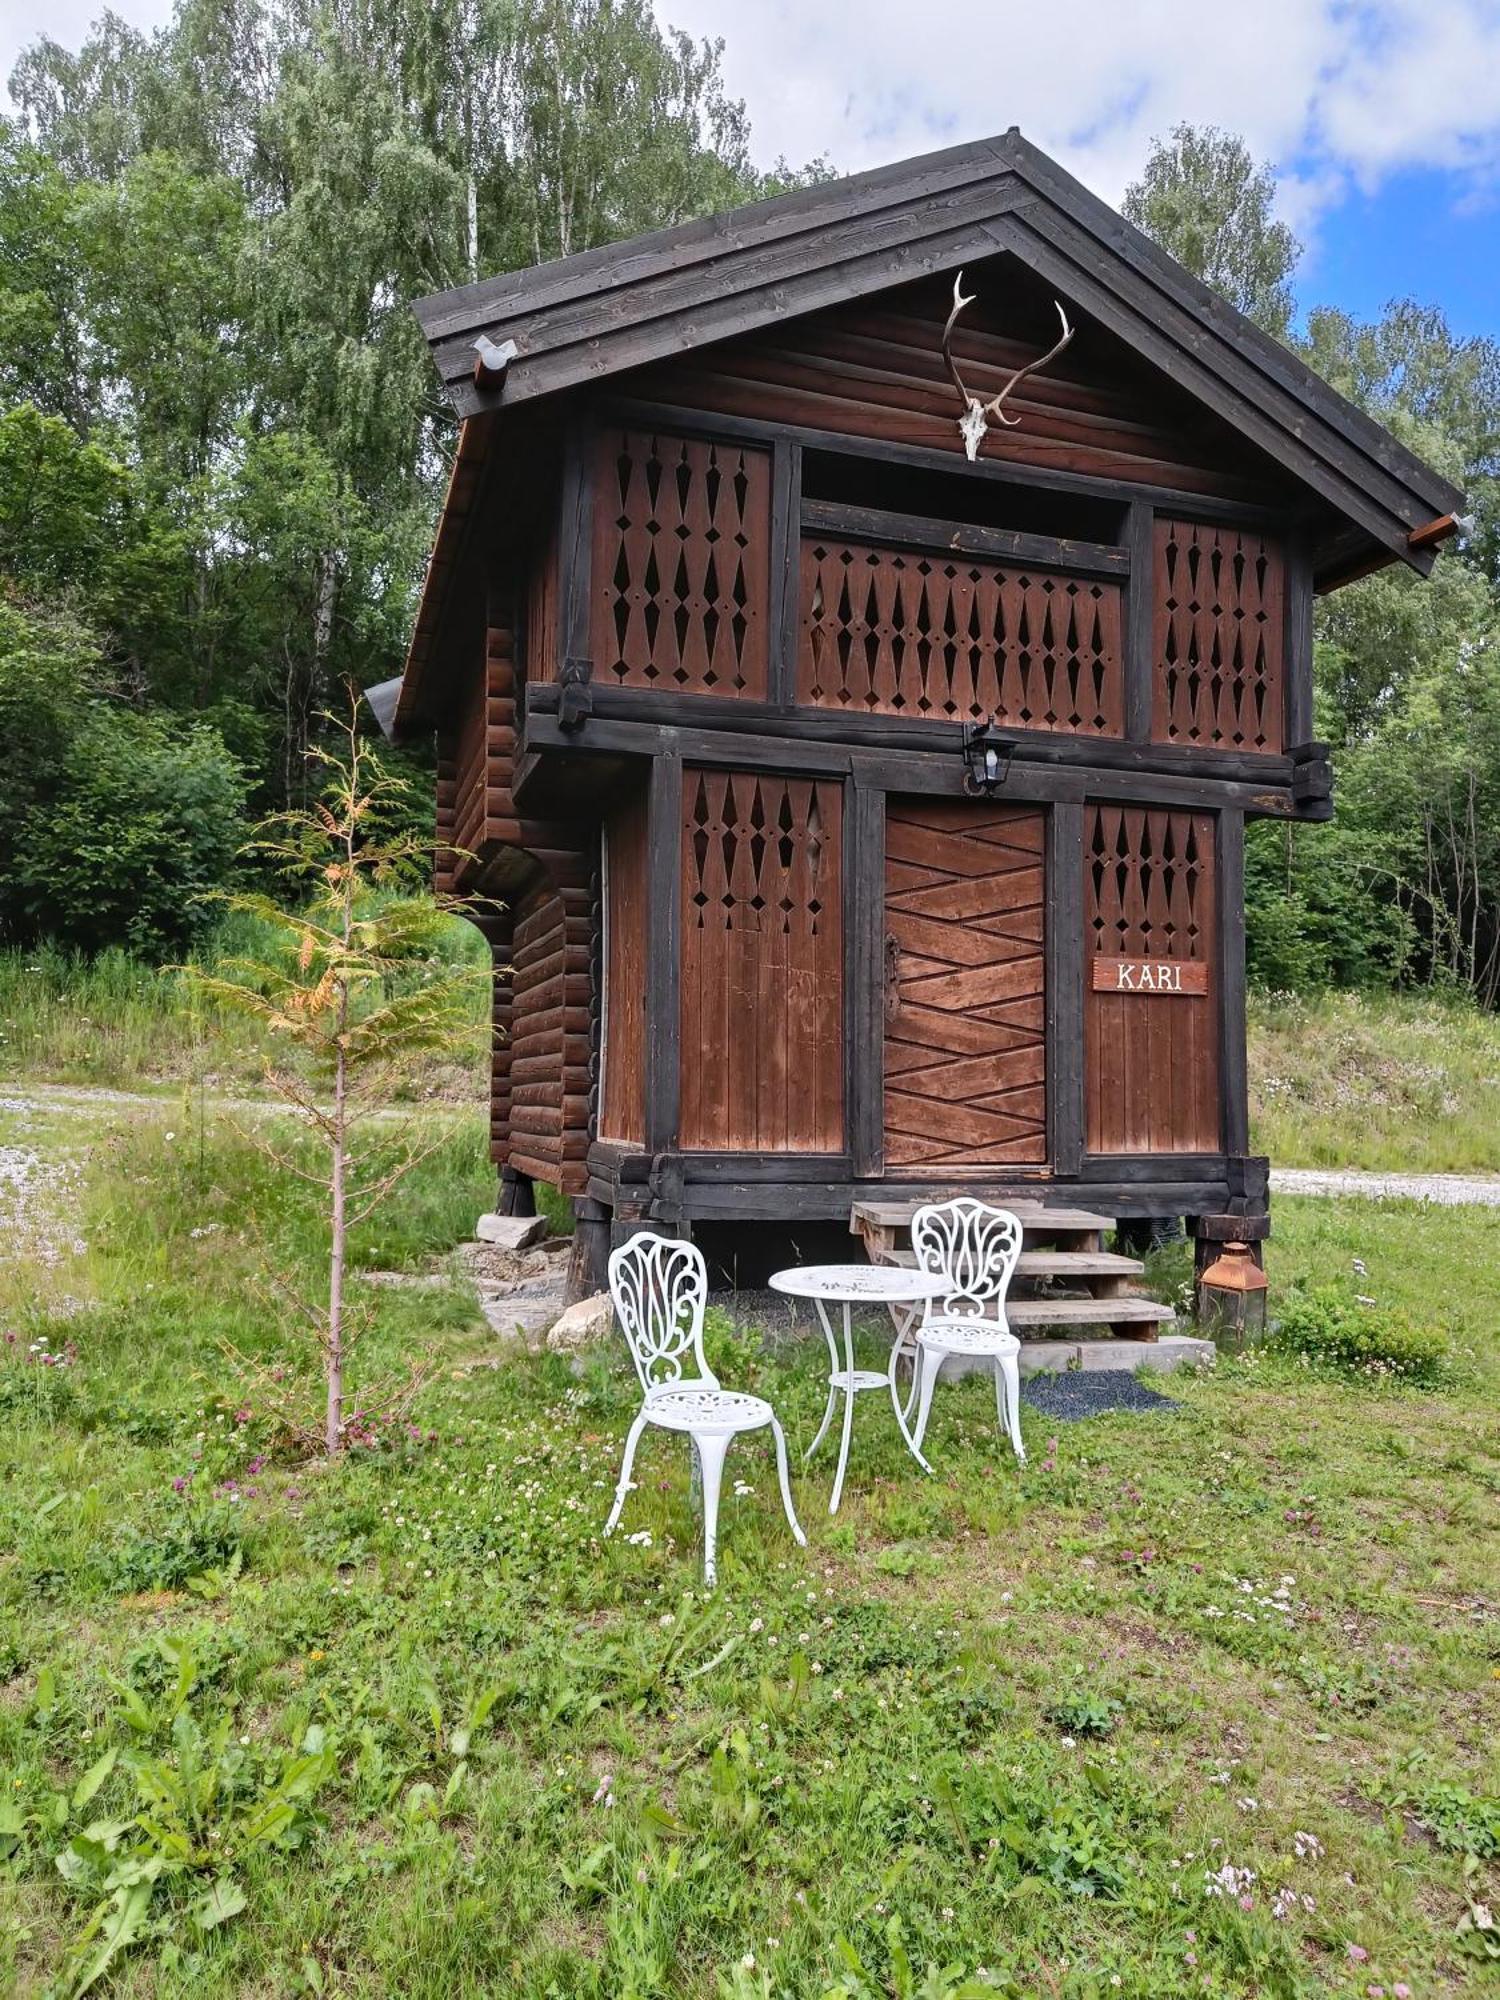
x,y
1065,970
575,561
864,1001
588,1267
517,1192
1297,644
1139,612
1234,1091
664,953
783,610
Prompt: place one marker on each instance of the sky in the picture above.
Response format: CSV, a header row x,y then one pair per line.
x,y
1380,118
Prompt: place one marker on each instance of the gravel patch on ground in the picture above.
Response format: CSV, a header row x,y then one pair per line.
x,y
1448,1190
1067,1399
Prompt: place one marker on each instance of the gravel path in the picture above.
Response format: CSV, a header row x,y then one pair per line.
x,y
1447,1190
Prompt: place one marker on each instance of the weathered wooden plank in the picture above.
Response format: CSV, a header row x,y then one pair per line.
x,y
874,524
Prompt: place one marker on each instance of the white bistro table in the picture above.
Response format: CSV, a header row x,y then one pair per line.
x,y
849,1285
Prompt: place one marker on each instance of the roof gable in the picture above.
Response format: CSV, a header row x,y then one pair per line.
x,y
585,319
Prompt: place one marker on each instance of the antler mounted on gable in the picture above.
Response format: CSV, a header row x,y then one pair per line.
x,y
977,416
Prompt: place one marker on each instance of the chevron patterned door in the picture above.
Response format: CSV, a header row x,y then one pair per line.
x,y
965,998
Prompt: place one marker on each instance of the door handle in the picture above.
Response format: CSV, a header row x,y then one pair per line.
x,y
892,977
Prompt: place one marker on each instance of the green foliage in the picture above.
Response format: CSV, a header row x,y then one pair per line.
x,y
1084,1714
223,439
1460,1820
1203,198
115,827
1331,1327
356,991
192,1540
829,1747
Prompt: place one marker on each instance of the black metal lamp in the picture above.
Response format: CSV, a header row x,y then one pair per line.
x,y
987,756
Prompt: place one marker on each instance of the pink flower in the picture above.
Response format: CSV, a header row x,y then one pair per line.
x,y
1401,1990
1357,1952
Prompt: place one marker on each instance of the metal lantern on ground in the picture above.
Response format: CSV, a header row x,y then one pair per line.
x,y
1232,1296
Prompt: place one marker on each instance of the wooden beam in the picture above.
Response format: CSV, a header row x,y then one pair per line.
x,y
864,930
876,524
1140,608
1065,953
688,421
1297,642
663,1050
1229,855
1432,532
575,548
785,562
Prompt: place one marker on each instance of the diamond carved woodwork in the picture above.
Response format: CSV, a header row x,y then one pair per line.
x,y
1148,883
953,639
1219,595
679,578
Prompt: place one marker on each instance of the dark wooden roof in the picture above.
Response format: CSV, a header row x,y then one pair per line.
x,y
584,319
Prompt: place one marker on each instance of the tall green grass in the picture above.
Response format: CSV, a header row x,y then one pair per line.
x,y
1398,1083
112,1021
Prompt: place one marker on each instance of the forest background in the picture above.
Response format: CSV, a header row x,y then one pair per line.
x,y
222,450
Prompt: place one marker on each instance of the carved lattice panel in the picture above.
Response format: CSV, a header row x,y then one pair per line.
x,y
762,964
1151,1058
953,639
1218,638
681,547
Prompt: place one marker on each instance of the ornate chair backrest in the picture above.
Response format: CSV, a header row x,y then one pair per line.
x,y
974,1248
659,1285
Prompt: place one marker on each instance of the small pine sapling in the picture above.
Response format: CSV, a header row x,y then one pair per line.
x,y
360,993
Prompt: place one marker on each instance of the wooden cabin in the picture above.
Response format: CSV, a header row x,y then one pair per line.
x,y
849,816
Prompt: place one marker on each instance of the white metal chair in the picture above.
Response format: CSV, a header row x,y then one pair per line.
x,y
660,1286
974,1249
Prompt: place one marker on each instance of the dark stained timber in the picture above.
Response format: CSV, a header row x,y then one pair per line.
x,y
718,598
762,1032
965,1024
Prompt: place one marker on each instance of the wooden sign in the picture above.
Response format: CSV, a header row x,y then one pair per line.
x,y
1150,975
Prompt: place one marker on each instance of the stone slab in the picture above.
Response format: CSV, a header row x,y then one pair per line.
x,y
1055,1357
511,1232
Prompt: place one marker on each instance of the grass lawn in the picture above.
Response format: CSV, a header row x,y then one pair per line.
x,y
1392,1082
1195,1704
1398,1083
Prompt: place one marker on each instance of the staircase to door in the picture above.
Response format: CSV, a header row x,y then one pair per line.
x,y
965,1012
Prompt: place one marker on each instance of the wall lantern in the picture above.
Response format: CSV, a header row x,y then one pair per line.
x,y
1232,1296
987,756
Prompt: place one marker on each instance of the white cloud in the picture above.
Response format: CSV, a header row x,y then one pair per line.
x,y
1335,93
1332,92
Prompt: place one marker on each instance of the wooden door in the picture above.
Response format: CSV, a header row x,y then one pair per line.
x,y
965,1001
762,1006
1152,1053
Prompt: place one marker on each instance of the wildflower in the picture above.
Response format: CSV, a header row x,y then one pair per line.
x,y
1357,1952
605,1795
641,1539
757,1625
666,1619
1307,1846
1248,1805
748,1961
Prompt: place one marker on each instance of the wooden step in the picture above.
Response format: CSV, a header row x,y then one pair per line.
x,y
1134,1318
1033,1214
1079,1266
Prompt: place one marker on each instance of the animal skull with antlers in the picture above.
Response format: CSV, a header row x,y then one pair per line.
x,y
977,416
